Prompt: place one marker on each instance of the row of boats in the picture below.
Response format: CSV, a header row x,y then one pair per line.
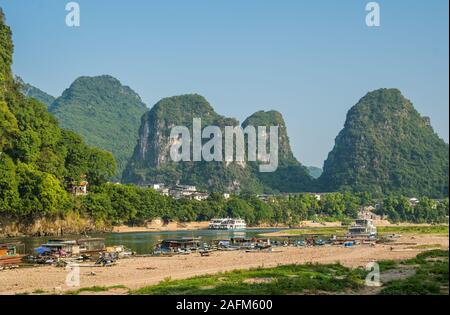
x,y
57,251
361,231
360,227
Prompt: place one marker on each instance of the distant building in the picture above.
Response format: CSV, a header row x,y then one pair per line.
x,y
156,187
413,201
199,196
80,189
186,188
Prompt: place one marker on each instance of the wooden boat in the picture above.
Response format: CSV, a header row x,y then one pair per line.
x,y
9,254
73,247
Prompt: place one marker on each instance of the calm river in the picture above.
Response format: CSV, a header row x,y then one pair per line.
x,y
143,242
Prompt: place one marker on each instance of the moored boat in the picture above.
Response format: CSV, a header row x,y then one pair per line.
x,y
362,228
227,224
9,254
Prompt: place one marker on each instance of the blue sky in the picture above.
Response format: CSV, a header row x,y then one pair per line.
x,y
310,60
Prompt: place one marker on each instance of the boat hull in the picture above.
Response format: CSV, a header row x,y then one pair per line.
x,y
11,260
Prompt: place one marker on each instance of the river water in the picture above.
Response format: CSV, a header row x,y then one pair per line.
x,y
143,242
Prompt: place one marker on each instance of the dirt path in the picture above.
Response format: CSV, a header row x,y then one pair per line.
x,y
142,271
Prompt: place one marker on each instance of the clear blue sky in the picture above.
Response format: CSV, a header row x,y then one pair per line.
x,y
311,60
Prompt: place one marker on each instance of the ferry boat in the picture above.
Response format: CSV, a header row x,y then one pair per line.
x,y
362,227
227,224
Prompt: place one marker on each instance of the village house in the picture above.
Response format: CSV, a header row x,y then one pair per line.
x,y
80,188
179,191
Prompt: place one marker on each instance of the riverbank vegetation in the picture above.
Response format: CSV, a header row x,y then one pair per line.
x,y
110,204
289,279
428,275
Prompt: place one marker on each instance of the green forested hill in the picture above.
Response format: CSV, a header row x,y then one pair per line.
x,y
151,159
106,113
386,146
32,91
290,175
38,160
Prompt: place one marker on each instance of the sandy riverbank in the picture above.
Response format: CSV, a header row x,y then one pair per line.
x,y
142,271
158,226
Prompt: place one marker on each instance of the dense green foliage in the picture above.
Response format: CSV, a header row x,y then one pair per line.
x,y
30,91
399,209
38,160
128,204
386,146
103,111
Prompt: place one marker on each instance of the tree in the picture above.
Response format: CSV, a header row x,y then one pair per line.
x,y
101,166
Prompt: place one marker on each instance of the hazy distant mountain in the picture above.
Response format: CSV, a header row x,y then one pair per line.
x,y
386,146
314,171
106,113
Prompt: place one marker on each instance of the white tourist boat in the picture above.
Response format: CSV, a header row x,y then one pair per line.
x,y
362,227
227,224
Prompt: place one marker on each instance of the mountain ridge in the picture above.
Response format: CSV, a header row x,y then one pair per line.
x,y
106,113
386,146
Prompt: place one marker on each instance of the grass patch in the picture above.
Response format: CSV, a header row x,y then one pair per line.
x,y
427,246
432,229
386,265
96,289
317,231
289,279
431,277
38,291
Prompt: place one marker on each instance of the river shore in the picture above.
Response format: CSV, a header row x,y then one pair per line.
x,y
137,272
